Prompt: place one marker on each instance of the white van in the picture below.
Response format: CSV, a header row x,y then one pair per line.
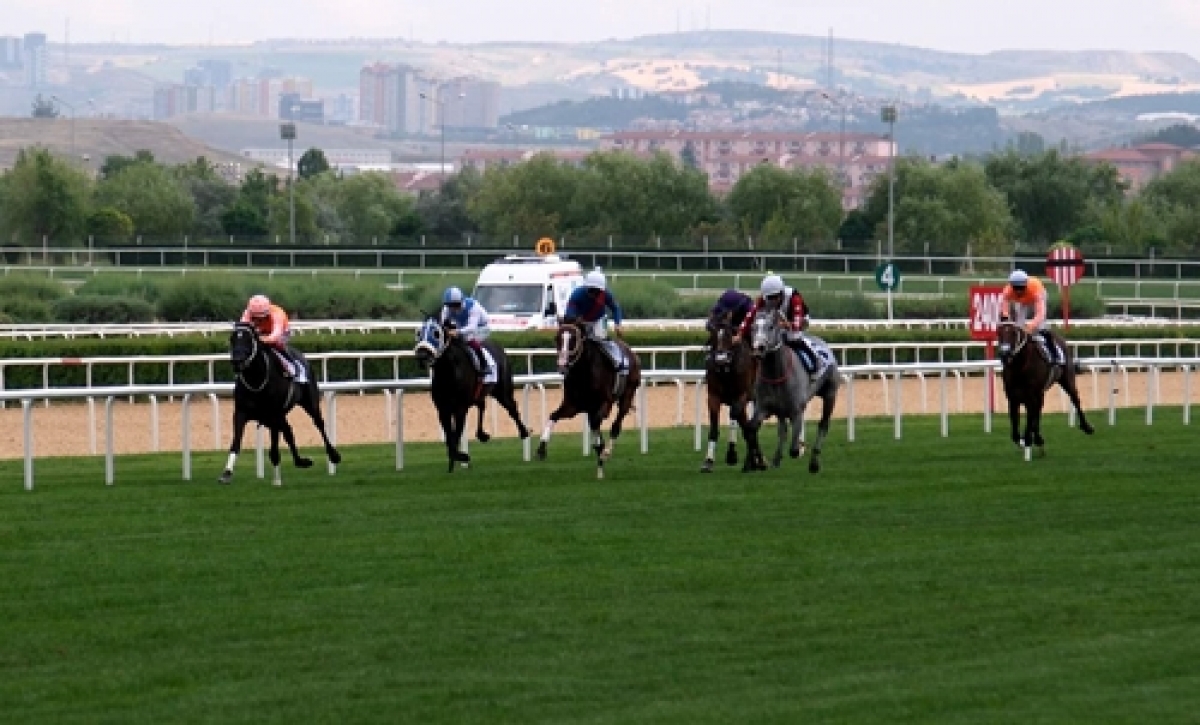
x,y
527,292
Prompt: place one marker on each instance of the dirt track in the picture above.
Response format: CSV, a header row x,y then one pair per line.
x,y
62,428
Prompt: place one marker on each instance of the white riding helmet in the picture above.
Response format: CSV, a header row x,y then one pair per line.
x,y
772,284
595,279
1018,278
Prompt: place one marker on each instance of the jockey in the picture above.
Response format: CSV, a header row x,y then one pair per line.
x,y
590,304
777,297
732,303
1024,302
467,318
274,330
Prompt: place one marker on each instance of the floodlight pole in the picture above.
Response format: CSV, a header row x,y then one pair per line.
x,y
287,131
72,107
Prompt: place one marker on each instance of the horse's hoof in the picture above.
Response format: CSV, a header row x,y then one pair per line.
x,y
776,464
731,457
482,437
463,457
305,463
707,467
814,466
524,433
450,467
795,452
541,452
334,457
1087,428
225,477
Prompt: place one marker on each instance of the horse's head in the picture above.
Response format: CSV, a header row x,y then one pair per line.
x,y
1010,340
431,342
720,340
766,334
243,346
568,343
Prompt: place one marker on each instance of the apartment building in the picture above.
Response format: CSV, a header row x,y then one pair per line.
x,y
470,103
1139,165
398,98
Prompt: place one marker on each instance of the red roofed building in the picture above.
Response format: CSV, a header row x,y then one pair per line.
x,y
1139,165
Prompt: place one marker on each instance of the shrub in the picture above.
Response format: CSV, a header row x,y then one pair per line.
x,y
123,285
647,298
25,309
100,309
196,299
32,287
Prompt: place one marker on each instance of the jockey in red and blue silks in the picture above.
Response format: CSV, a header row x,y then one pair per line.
x,y
468,319
733,303
590,305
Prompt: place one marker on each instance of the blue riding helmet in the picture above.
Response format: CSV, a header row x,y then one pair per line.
x,y
452,296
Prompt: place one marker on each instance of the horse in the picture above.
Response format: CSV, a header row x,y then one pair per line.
x,y
590,383
1027,376
782,388
261,392
729,377
457,386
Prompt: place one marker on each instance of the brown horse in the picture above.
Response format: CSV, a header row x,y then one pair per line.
x,y
590,386
729,376
1027,376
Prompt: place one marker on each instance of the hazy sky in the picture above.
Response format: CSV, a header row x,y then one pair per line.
x,y
959,25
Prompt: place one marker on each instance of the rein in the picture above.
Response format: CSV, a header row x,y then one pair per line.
x,y
787,369
255,353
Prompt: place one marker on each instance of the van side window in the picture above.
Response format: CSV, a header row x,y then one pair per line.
x,y
551,306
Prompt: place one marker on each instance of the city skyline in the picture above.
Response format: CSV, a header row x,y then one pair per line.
x,y
1157,25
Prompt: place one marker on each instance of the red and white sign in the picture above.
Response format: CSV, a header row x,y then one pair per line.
x,y
1064,265
984,311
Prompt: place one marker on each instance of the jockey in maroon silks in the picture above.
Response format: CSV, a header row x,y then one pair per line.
x,y
775,296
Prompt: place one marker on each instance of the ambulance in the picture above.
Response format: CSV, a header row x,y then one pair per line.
x,y
527,292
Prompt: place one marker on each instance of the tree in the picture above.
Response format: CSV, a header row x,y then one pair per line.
x,y
530,200
242,219
210,194
44,197
44,107
110,226
947,206
775,206
445,213
370,206
160,207
116,163
311,163
1181,134
1048,193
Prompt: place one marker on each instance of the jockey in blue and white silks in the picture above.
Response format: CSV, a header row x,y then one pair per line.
x,y
466,318
591,305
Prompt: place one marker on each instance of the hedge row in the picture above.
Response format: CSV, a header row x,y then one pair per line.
x,y
185,372
208,295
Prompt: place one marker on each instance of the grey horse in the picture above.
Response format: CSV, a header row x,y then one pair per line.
x,y
783,389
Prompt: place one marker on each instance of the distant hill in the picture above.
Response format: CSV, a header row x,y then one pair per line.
x,y
98,138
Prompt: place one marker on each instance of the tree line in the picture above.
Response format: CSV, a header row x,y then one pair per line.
x,y
988,204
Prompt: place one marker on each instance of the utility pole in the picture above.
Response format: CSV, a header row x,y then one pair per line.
x,y
72,108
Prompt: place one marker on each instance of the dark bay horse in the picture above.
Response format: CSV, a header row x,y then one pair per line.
x,y
729,374
263,393
457,386
1028,376
589,387
782,389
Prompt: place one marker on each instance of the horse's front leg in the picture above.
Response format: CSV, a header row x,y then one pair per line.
x,y
1033,422
460,426
239,429
796,449
277,477
289,437
714,432
596,422
754,455
1014,417
777,459
480,434
446,421
565,411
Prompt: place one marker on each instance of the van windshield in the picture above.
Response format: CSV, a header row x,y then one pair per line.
x,y
510,299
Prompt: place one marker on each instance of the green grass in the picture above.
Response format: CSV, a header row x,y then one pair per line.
x,y
919,581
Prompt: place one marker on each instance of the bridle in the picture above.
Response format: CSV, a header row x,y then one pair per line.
x,y
254,353
436,345
1021,334
570,349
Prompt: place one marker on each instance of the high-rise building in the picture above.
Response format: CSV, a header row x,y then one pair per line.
x,y
471,103
390,96
11,54
34,48
175,100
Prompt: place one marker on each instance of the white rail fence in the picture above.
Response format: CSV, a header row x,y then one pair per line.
x,y
40,331
394,391
870,353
